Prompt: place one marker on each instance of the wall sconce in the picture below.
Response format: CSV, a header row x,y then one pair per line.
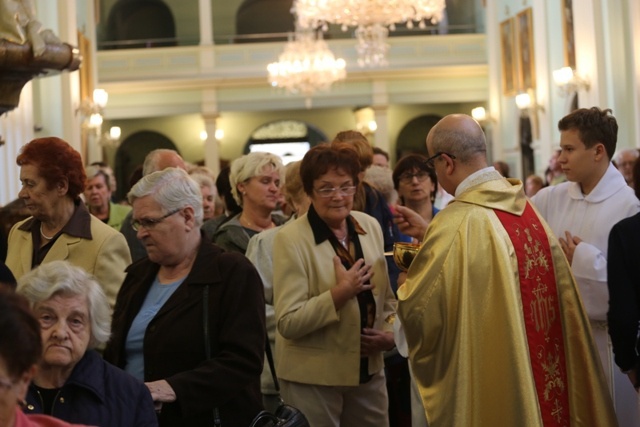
x,y
526,104
91,110
481,116
366,121
569,82
111,138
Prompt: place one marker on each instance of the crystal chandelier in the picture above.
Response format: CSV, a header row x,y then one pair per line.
x,y
306,66
372,18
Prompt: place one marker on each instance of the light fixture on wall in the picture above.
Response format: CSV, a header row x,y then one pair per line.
x,y
372,18
307,65
527,104
569,82
92,109
529,108
111,138
481,115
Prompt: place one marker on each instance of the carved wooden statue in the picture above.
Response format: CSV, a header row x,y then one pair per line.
x,y
27,50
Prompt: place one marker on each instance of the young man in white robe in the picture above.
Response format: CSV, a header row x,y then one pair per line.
x,y
581,212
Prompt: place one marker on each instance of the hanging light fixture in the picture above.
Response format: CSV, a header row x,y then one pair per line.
x,y
306,66
372,18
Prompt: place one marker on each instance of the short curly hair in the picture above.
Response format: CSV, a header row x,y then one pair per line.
x,y
324,157
56,161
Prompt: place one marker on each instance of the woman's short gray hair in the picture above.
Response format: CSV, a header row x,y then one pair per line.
x,y
64,279
250,165
172,188
92,171
204,181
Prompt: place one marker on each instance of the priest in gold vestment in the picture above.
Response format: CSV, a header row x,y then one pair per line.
x,y
496,330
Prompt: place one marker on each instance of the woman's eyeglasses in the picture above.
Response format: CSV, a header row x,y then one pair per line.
x,y
343,191
407,177
149,223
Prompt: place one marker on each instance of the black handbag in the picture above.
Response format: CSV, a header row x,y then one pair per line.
x,y
286,415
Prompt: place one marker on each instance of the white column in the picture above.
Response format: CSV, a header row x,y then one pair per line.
x,y
380,107
206,22
634,19
69,82
211,144
16,129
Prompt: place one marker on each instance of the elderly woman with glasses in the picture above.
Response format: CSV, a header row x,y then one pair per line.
x,y
334,305
73,382
159,331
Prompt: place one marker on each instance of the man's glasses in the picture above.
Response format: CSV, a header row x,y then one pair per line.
x,y
343,191
407,177
431,160
149,223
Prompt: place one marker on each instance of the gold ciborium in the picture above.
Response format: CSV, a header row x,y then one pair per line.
x,y
404,253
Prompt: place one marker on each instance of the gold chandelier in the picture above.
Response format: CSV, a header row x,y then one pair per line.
x,y
372,18
306,66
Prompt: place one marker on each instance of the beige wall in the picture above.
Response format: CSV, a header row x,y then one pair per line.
x,y
184,130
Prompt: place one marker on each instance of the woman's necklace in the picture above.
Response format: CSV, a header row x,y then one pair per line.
x,y
343,241
249,224
44,235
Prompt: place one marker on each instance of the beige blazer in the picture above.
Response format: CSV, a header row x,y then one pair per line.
x,y
105,256
315,344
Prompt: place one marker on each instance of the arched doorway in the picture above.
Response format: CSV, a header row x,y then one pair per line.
x,y
412,137
289,139
131,154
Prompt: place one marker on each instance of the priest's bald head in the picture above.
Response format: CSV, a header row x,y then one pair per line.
x,y
457,148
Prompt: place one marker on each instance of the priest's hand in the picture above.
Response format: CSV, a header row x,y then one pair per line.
x,y
373,341
569,244
410,222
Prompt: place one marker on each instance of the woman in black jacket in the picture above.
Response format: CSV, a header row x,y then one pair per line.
x,y
158,333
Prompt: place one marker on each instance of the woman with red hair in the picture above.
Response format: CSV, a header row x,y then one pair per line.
x,y
61,227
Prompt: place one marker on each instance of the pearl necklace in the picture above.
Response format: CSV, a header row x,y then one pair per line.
x,y
44,235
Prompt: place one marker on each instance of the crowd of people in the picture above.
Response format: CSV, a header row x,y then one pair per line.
x,y
520,302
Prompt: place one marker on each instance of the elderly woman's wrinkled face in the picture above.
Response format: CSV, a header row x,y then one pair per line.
x,y
208,202
261,190
65,328
333,196
38,198
97,193
162,233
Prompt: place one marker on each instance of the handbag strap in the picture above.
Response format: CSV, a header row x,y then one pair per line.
x,y
272,365
207,344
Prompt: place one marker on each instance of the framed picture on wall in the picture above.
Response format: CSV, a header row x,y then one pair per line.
x,y
86,69
526,52
507,45
568,33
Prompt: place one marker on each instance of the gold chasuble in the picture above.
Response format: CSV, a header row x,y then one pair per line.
x,y
496,331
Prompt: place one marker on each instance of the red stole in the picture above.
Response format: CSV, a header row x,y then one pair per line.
x,y
541,311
